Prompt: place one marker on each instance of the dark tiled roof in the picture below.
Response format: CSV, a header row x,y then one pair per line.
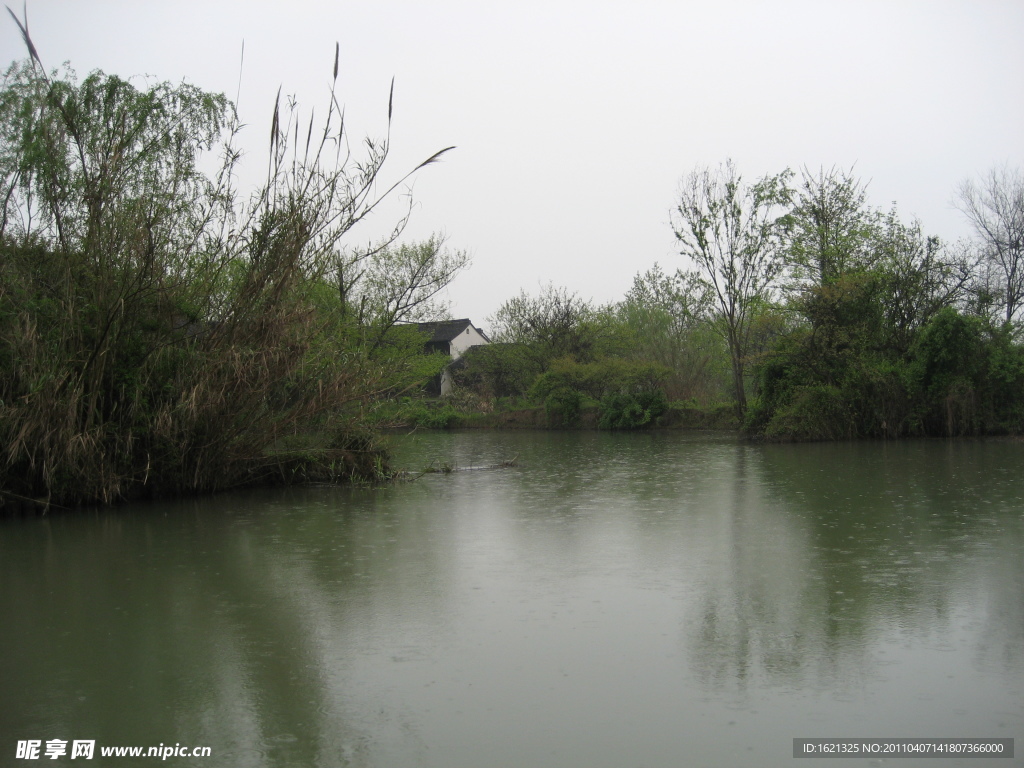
x,y
446,330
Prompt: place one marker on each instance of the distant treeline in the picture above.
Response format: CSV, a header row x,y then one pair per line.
x,y
815,315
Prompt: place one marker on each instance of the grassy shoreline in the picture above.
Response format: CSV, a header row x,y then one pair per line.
x,y
438,414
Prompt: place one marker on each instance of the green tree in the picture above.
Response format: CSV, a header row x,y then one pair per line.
x,y
669,321
496,370
843,370
830,228
630,393
555,323
386,286
732,233
918,275
969,377
158,333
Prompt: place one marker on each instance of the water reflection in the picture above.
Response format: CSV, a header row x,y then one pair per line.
x,y
615,599
863,568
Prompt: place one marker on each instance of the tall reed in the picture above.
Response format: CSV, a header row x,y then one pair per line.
x,y
159,332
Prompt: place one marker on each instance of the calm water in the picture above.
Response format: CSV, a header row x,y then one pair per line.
x,y
614,600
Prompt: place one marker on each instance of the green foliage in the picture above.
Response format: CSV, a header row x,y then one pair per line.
x,y
497,370
429,413
813,412
830,227
622,410
563,406
668,319
879,396
1005,382
918,276
732,232
878,349
969,378
553,325
599,378
629,393
950,347
833,378
79,161
159,335
441,415
959,377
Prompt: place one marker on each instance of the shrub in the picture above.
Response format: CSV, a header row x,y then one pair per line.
x,y
599,378
948,367
815,412
563,407
496,370
632,410
442,416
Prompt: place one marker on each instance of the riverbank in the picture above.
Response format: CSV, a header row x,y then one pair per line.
x,y
439,414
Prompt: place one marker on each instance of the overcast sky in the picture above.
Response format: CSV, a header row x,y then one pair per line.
x,y
574,121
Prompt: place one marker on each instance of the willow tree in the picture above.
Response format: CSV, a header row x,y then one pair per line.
x,y
731,231
159,332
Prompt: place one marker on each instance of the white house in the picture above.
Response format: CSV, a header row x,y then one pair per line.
x,y
452,337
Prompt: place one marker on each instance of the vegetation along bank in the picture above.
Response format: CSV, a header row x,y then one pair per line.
x,y
162,333
804,311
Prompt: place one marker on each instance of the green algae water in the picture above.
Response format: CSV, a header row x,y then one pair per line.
x,y
663,599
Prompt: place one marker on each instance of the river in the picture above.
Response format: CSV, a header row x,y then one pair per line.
x,y
648,599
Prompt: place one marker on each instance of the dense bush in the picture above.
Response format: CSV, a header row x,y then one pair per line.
x,y
441,415
496,370
621,410
599,378
563,407
160,335
960,377
629,393
968,377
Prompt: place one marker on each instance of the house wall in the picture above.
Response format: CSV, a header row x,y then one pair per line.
x,y
468,338
447,385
